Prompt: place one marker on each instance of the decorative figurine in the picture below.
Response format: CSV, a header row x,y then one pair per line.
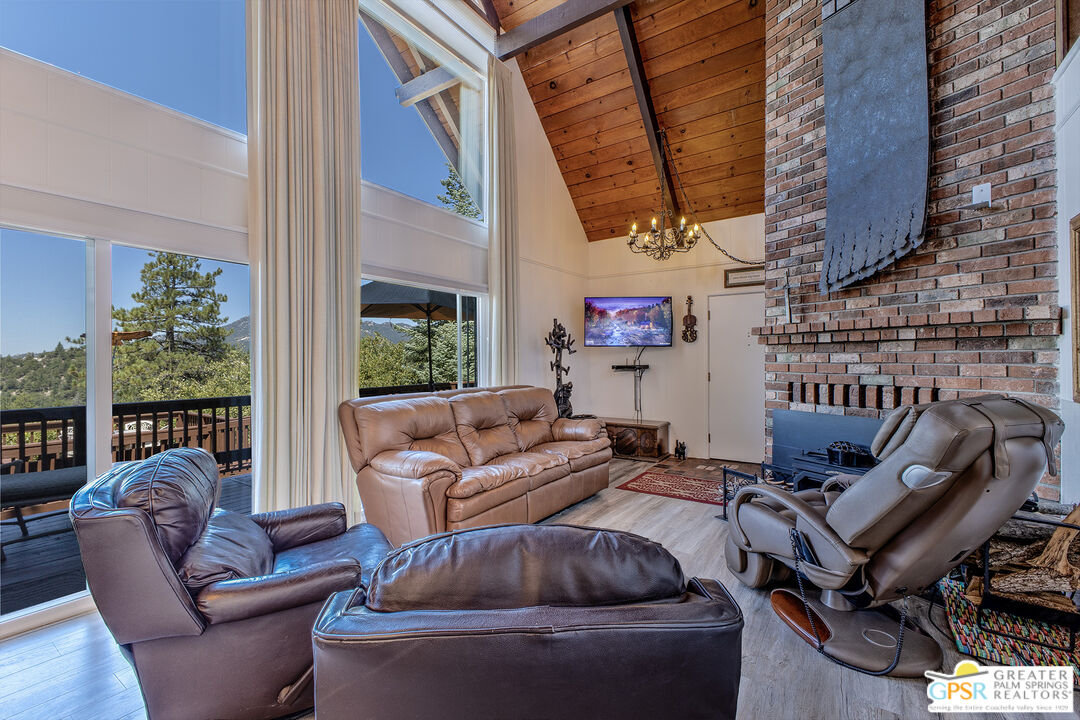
x,y
558,340
689,331
680,450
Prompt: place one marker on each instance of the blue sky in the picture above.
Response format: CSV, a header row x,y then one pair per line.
x,y
188,55
43,288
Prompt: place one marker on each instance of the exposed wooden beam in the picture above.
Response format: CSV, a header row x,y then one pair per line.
x,y
648,113
401,69
492,15
424,86
554,22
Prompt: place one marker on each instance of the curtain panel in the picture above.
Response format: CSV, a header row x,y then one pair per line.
x,y
304,241
503,224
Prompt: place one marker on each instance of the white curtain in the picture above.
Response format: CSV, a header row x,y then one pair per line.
x,y
503,247
304,237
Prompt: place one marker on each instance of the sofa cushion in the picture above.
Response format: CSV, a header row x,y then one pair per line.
x,y
483,426
178,490
479,479
573,449
232,546
514,566
424,423
531,412
591,460
530,463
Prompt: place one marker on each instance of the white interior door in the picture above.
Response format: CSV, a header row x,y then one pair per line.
x,y
736,377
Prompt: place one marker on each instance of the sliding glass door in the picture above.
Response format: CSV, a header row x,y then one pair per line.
x,y
109,354
415,339
43,413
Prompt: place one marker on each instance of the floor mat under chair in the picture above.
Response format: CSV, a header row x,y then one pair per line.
x,y
976,641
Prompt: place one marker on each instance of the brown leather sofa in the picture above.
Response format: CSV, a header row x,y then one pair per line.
x,y
213,609
951,474
529,621
432,462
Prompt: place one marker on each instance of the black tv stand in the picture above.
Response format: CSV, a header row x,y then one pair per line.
x,y
629,368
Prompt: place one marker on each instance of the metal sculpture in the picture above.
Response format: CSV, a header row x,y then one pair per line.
x,y
559,340
877,122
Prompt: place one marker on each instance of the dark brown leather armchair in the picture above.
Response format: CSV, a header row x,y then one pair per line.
x,y
529,621
951,474
213,609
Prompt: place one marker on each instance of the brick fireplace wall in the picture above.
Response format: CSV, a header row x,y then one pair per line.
x,y
971,311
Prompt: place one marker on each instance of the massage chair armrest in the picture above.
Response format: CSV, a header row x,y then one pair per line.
x,y
300,526
808,518
565,429
413,464
242,598
839,483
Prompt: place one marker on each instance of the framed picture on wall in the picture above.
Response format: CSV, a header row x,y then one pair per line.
x,y
744,276
1074,311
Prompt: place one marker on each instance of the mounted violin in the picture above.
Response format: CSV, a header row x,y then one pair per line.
x,y
689,332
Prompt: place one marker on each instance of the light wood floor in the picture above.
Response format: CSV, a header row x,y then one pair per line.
x,y
73,669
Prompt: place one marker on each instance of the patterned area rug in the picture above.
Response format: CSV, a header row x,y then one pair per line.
x,y
974,640
681,487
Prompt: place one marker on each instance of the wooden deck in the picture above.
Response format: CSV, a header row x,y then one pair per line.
x,y
47,568
74,670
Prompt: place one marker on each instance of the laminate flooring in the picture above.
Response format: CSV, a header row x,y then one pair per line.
x,y
73,670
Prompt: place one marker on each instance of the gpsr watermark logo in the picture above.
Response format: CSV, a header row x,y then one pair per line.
x,y
998,688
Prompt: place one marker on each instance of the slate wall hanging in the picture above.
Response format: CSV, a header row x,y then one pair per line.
x,y
877,129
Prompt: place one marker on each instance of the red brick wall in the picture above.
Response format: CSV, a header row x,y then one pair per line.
x,y
973,310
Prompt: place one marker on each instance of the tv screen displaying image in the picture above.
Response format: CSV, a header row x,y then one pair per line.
x,y
627,321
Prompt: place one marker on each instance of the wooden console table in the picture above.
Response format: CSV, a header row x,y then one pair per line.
x,y
638,438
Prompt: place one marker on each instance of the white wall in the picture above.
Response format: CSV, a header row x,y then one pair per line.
x,y
553,255
415,242
674,388
1067,93
81,158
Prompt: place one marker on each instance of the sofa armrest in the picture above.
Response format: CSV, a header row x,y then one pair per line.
x,y
229,600
300,526
413,464
585,429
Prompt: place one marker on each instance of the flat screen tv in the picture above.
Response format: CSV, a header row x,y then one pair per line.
x,y
628,321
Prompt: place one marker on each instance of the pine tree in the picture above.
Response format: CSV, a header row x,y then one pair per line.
x,y
178,304
457,197
186,354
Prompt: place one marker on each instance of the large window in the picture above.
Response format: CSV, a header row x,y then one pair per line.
x,y
43,375
422,118
415,339
189,55
174,339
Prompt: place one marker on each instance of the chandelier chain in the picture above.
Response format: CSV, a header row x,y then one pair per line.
x,y
686,200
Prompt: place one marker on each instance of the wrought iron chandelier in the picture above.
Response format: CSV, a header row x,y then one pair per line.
x,y
664,238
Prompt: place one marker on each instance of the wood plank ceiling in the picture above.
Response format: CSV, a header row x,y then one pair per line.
x,y
705,65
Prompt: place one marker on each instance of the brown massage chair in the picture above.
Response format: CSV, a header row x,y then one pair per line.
x,y
950,474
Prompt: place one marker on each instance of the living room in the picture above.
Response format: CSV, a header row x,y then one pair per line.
x,y
353,352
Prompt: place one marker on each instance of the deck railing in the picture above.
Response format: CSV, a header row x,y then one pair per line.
x,y
55,438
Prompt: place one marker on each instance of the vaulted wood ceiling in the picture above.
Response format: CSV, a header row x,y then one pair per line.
x,y
704,62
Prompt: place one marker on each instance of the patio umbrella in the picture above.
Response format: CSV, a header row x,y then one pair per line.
x,y
387,300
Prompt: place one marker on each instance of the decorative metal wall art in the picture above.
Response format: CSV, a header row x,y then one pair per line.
x,y
689,322
877,124
558,340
